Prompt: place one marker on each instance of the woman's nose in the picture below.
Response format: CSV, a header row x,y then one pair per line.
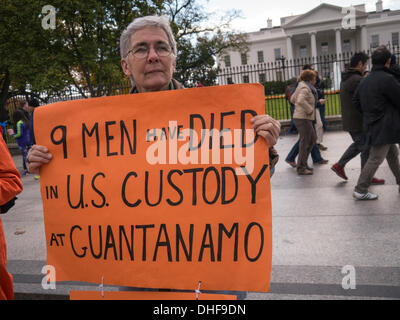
x,y
153,56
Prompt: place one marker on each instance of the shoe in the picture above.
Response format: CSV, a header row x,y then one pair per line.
x,y
377,181
323,161
292,163
364,196
322,147
305,172
309,168
339,171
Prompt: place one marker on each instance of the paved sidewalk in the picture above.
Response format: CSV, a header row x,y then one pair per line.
x,y
318,228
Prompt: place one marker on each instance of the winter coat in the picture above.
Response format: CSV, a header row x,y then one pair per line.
x,y
22,135
304,101
395,71
10,186
351,116
378,98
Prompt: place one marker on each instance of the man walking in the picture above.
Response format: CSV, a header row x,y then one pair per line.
x,y
352,117
378,98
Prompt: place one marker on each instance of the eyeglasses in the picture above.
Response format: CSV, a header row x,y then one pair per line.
x,y
142,51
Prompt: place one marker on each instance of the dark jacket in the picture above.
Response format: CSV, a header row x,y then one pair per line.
x,y
395,71
378,98
319,86
351,116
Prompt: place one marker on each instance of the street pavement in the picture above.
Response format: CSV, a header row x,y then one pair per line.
x,y
319,230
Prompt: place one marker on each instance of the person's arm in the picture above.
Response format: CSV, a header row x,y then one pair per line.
x,y
393,92
19,132
356,99
10,179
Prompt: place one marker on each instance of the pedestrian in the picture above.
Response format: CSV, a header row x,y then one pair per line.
x,y
304,99
23,105
30,107
378,98
315,152
290,89
10,186
319,109
21,133
352,117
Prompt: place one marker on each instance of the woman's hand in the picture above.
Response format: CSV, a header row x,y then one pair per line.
x,y
10,132
267,127
37,156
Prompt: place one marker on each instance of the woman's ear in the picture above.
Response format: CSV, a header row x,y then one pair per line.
x,y
125,67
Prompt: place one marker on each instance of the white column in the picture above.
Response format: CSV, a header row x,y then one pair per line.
x,y
338,43
314,48
364,38
290,56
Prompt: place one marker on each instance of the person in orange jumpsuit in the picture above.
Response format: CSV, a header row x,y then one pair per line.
x,y
10,186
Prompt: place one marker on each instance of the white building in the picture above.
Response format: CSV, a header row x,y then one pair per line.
x,y
324,31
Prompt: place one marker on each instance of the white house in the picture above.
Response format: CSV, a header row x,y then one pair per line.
x,y
323,31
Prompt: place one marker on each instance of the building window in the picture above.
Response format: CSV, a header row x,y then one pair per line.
x,y
243,57
246,79
324,48
346,45
260,56
277,53
375,41
303,52
227,60
230,81
395,39
279,76
262,77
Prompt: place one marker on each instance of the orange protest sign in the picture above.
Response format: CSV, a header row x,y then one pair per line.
x,y
158,190
146,295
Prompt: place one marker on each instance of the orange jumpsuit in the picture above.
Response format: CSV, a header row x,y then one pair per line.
x,y
10,186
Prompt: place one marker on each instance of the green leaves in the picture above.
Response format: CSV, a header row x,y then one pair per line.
x,y
83,49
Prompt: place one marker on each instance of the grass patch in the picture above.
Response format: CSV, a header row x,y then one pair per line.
x,y
278,108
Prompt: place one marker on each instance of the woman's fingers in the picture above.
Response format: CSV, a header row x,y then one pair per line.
x,y
37,156
267,127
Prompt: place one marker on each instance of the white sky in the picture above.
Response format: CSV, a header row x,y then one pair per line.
x,y
256,12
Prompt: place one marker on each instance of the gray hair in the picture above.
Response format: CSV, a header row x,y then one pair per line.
x,y
161,22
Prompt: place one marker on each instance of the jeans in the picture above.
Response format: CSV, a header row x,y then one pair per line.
x,y
357,147
315,153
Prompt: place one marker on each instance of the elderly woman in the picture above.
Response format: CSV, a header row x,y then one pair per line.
x,y
148,58
304,99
